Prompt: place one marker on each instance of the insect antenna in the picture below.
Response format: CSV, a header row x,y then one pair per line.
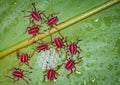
x,y
25,11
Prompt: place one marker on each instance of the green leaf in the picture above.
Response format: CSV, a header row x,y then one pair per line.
x,y
100,35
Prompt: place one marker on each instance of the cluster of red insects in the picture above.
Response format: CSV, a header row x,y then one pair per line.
x,y
71,49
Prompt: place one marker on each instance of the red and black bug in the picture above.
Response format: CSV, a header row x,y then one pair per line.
x,y
35,15
34,30
52,22
71,64
51,73
59,42
73,48
17,74
24,58
42,46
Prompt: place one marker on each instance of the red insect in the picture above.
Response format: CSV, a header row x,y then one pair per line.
x,y
50,73
42,47
59,42
71,64
73,48
24,58
18,74
52,22
35,15
34,30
